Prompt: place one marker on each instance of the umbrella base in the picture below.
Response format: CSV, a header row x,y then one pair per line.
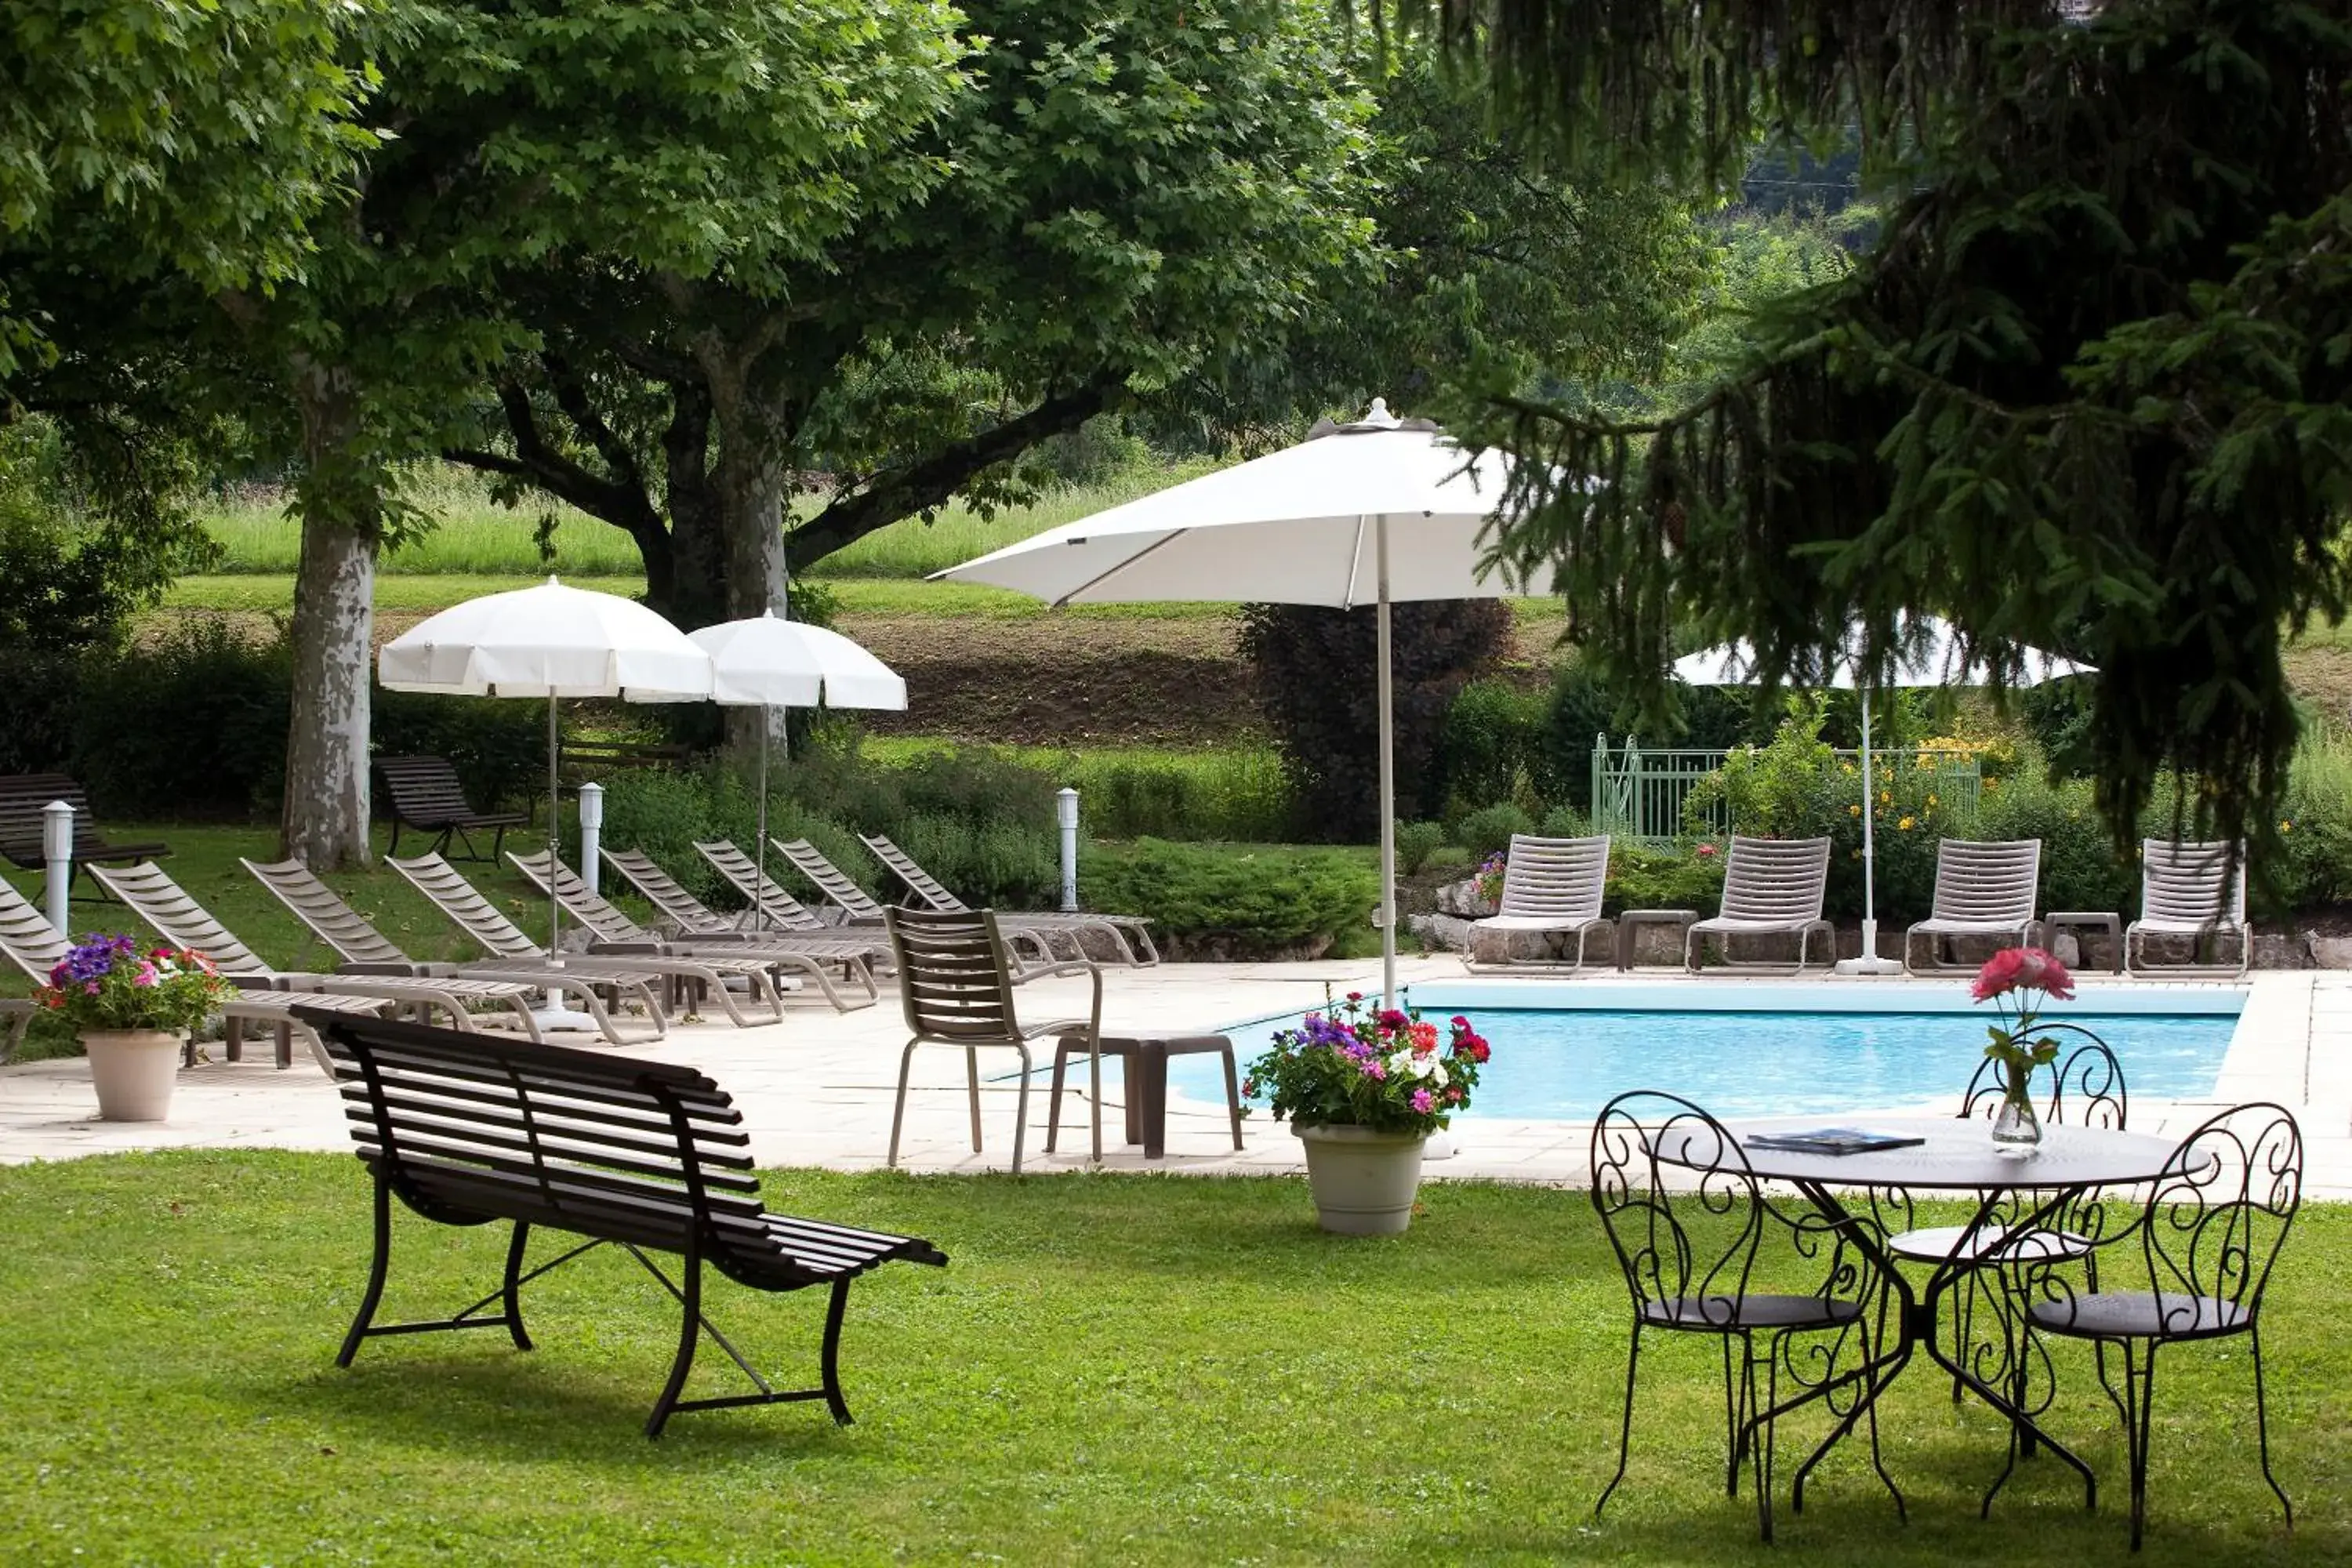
x,y
549,1018
1870,964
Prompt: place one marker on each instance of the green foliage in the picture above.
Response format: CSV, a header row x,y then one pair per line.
x,y
1684,876
66,582
1488,830
1565,822
1225,793
1264,903
1416,842
2080,868
1491,749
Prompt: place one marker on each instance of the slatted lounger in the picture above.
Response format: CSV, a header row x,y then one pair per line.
x,y
860,908
646,1156
935,895
1770,887
481,920
163,904
1981,890
1551,885
367,951
34,946
616,932
425,793
744,874
697,920
2191,889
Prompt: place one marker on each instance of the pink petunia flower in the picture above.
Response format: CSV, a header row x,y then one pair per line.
x,y
1422,1100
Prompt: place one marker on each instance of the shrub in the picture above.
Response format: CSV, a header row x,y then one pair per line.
x,y
2313,865
1488,831
1686,877
1492,748
1416,842
1224,794
1211,903
1566,822
995,864
192,725
2080,869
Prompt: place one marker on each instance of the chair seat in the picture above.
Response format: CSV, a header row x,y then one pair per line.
x,y
1724,1314
2138,1315
1940,1244
1947,927
1536,922
1717,923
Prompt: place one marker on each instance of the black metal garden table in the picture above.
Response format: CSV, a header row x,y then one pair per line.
x,y
2017,1195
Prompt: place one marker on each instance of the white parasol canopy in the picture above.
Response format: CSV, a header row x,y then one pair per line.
x,y
1366,513
768,661
554,642
1932,657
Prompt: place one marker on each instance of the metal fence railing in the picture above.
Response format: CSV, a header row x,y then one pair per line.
x,y
1644,791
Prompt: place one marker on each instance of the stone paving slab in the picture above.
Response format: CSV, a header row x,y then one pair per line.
x,y
816,1089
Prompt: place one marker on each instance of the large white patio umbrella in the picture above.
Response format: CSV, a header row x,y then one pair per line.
x,y
769,662
1932,659
554,642
1366,513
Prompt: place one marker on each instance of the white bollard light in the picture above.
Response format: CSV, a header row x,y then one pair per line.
x,y
56,849
592,833
1066,812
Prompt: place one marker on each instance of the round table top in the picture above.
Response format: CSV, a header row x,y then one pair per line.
x,y
1953,1153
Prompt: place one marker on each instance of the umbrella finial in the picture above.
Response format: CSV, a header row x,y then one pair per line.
x,y
1379,414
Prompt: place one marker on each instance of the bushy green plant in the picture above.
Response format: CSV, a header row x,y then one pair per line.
x,y
191,725
2315,866
998,865
1566,822
1491,749
1224,794
662,812
1682,876
1416,842
1257,904
1487,831
2080,869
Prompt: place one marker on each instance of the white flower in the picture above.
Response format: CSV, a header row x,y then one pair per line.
x,y
1407,1063
1436,1069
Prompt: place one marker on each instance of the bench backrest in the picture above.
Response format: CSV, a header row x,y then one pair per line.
x,y
423,791
575,760
604,920
323,909
2192,882
23,797
831,879
463,903
921,883
1556,878
467,1127
31,942
1987,882
665,893
163,904
744,874
1776,878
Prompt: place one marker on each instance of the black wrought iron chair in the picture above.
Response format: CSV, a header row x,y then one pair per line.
x,y
2207,1241
1700,1243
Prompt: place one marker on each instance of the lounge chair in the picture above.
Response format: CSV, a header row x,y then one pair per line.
x,y
1551,885
935,895
367,951
616,932
784,912
857,907
2193,889
479,918
1981,890
34,946
1771,887
693,917
154,897
425,793
22,799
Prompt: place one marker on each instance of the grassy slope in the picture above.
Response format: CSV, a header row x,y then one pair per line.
x,y
1111,1369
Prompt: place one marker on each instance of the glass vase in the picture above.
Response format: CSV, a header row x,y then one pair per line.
x,y
2017,1126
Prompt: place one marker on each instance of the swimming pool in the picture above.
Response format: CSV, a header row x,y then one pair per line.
x,y
1755,1050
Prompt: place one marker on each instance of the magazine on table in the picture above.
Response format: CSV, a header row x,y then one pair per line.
x,y
1832,1141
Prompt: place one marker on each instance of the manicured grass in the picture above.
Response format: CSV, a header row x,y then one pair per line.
x,y
1111,1369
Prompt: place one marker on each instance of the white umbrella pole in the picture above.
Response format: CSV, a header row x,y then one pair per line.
x,y
760,887
554,832
1388,777
1869,962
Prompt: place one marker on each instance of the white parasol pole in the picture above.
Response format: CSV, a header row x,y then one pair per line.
x,y
554,834
1869,962
760,887
1388,776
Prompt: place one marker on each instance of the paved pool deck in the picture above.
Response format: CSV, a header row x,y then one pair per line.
x,y
816,1088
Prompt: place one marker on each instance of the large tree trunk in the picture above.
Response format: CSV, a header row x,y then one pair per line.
x,y
325,819
749,483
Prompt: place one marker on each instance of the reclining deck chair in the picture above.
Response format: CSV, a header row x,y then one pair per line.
x,y
367,951
1551,885
34,946
2191,889
786,916
858,907
150,894
1981,890
470,912
784,912
765,951
935,895
1770,887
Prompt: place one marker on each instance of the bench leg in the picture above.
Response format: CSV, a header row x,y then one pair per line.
x,y
689,1335
376,1271
829,1357
513,1291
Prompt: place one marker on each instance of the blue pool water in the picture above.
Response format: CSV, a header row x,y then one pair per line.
x,y
1556,1065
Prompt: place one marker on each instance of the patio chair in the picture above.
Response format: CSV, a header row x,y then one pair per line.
x,y
1689,1223
470,912
1771,887
744,874
2212,1230
33,945
956,982
1981,890
151,895
1551,885
22,799
2193,889
935,895
858,907
732,952
425,793
364,950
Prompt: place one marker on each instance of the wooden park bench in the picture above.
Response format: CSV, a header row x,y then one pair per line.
x,y
581,759
24,796
424,794
470,1129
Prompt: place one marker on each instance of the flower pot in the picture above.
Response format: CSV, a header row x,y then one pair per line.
x,y
133,1071
1363,1180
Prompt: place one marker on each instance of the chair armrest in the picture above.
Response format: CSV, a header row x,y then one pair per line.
x,y
1067,966
391,971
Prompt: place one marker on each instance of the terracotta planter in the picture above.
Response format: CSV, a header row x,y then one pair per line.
x,y
1363,1180
133,1071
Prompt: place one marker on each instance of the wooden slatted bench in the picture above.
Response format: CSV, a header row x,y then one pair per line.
x,y
23,798
425,793
578,760
467,1128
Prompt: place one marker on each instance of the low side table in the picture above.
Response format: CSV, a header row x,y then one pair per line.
x,y
1631,921
1145,1064
2091,920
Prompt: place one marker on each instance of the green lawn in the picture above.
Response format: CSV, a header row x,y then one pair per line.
x,y
1111,1369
